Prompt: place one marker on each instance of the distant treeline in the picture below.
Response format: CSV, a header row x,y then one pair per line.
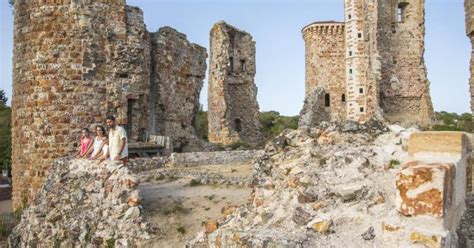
x,y
271,121
453,122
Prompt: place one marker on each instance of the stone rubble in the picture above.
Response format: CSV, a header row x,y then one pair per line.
x,y
83,204
318,189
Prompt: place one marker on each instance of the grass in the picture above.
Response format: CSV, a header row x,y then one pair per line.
x,y
110,243
210,197
181,230
176,207
194,183
393,163
160,177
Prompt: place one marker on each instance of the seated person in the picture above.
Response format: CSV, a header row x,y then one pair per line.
x,y
99,143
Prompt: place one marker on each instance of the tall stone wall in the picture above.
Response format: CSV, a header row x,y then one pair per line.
x,y
74,63
469,9
233,114
404,84
179,68
325,54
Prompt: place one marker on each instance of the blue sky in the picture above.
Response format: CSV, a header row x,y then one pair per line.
x,y
276,28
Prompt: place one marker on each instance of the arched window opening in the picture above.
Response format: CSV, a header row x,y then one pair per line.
x,y
327,100
238,125
343,98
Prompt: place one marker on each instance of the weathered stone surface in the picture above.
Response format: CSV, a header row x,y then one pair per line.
x,y
84,203
454,143
316,194
365,66
77,62
425,189
325,55
469,9
233,114
178,74
314,111
212,158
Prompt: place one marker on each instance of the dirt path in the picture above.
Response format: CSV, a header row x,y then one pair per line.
x,y
178,209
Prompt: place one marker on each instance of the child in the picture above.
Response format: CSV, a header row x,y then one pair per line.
x,y
86,144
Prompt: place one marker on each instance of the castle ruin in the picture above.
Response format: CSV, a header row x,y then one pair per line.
x,y
469,9
372,63
232,99
76,62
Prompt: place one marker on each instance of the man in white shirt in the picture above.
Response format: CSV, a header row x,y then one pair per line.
x,y
118,148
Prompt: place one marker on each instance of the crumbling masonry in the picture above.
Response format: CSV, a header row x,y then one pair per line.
x,y
233,109
76,61
469,9
372,63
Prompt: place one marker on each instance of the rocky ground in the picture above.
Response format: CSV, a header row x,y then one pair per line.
x,y
331,186
324,187
84,204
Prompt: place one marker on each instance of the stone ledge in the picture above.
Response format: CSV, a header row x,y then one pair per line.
x,y
454,143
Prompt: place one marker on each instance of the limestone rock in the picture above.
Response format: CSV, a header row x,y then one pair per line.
x,y
425,189
78,205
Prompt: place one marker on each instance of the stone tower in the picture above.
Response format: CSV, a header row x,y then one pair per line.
x,y
325,46
360,80
70,70
232,99
469,8
179,68
383,66
404,86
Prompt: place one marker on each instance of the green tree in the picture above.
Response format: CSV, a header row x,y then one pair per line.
x,y
3,98
5,131
273,123
453,122
201,124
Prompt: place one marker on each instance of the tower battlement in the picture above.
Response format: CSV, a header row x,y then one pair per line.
x,y
324,28
38,3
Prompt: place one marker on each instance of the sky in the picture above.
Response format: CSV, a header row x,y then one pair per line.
x,y
276,27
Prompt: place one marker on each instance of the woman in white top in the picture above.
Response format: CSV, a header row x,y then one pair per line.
x,y
100,143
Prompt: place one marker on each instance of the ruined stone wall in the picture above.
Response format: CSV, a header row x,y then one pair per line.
x,y
74,63
224,158
179,68
404,84
128,78
469,9
325,67
233,109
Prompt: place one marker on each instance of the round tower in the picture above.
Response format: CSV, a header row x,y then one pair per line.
x,y
60,76
325,66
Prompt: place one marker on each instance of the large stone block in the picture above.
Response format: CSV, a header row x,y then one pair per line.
x,y
425,189
438,142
